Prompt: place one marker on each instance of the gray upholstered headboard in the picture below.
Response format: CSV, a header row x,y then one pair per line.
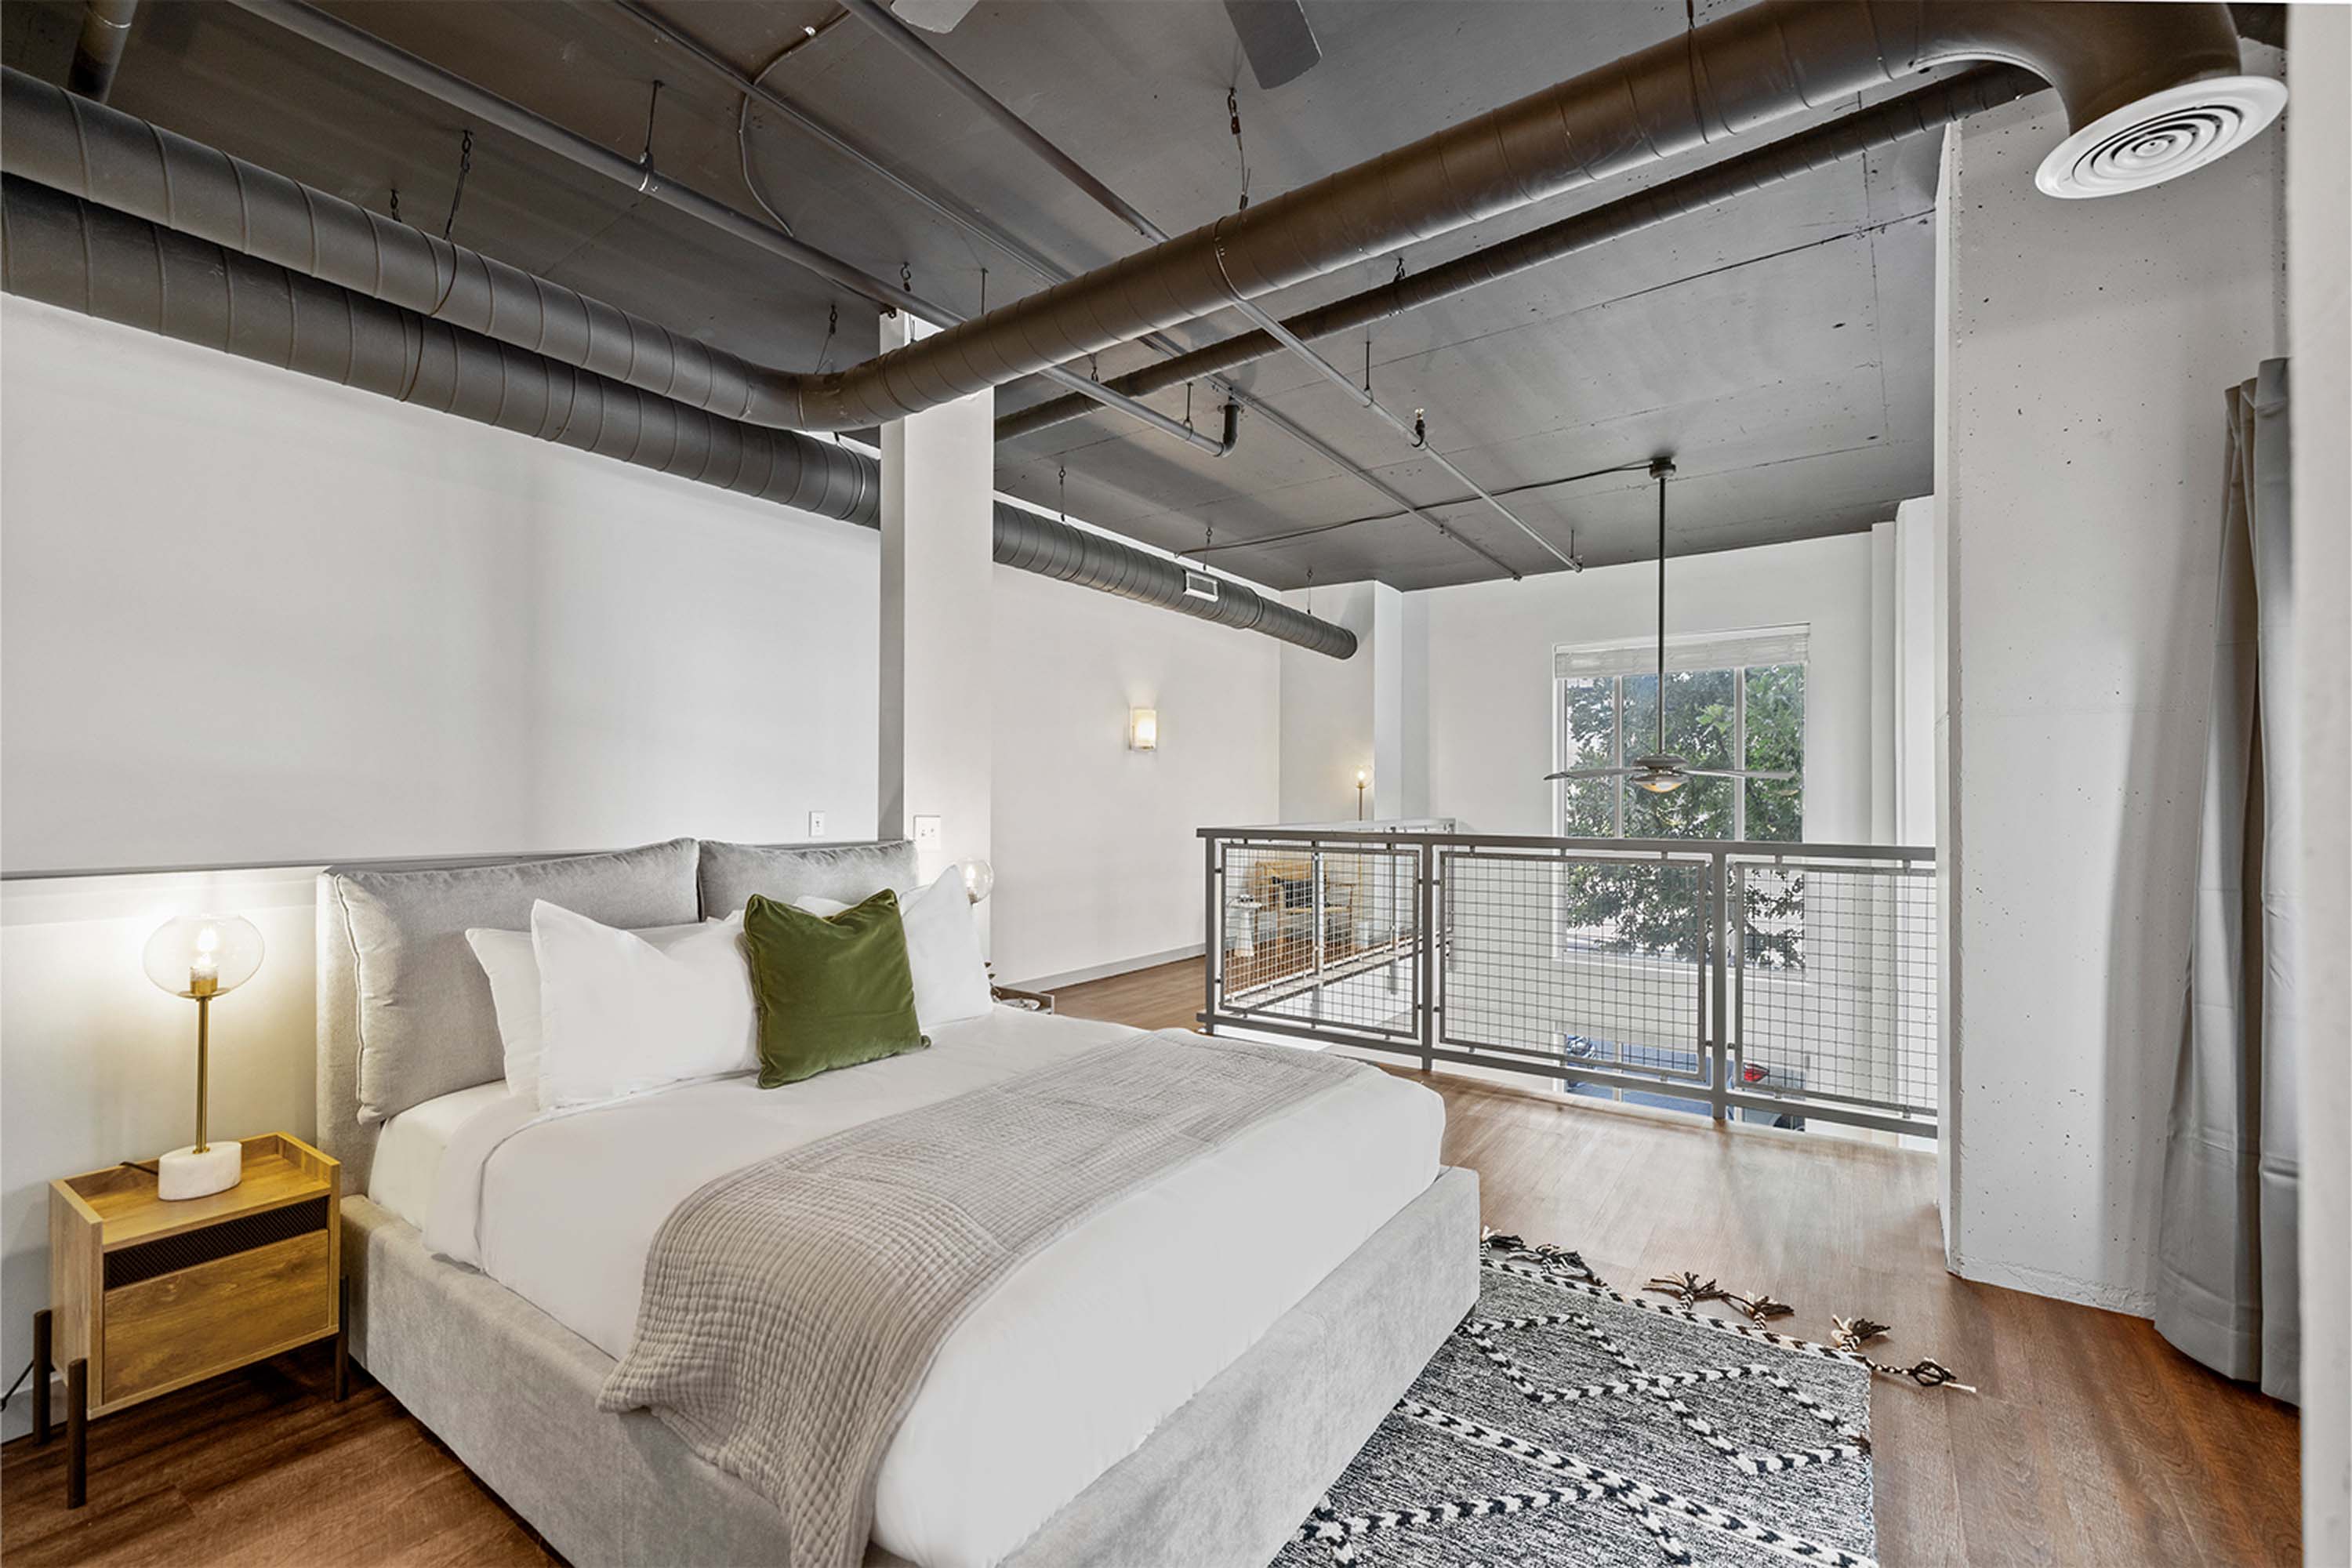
x,y
405,1011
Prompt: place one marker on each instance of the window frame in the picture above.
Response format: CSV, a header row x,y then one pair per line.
x,y
1766,641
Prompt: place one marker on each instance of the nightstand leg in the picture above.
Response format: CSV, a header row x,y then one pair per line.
x,y
342,1338
77,1431
41,1350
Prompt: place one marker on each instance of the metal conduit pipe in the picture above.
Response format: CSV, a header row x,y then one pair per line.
x,y
1848,136
1725,78
62,250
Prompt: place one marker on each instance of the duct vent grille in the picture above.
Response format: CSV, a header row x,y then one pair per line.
x,y
2161,137
1200,585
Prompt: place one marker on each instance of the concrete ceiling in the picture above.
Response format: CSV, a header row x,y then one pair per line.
x,y
1779,347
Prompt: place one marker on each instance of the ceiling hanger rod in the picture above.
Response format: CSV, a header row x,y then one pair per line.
x,y
1659,468
919,50
355,44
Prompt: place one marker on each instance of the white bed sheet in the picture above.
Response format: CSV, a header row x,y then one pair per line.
x,y
1061,1372
408,1150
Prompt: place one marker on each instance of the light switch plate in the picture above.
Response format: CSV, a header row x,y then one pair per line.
x,y
816,825
927,833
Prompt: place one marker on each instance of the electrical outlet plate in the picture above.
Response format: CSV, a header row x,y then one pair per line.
x,y
927,833
816,825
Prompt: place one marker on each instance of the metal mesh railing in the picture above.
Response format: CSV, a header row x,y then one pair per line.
x,y
1834,986
1772,983
1322,934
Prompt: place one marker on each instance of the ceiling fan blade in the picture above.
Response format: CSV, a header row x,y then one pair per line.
x,y
1278,38
1733,773
1595,773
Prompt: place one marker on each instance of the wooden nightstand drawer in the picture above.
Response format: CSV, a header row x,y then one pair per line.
x,y
182,1327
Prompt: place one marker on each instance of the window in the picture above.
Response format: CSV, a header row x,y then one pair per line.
x,y
1727,696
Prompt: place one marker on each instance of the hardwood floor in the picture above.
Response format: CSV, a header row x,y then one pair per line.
x,y
2092,1440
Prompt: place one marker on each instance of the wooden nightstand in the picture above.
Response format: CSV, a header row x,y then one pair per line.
x,y
147,1296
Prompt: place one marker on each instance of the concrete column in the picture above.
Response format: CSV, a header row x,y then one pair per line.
x,y
2083,350
1400,654
938,493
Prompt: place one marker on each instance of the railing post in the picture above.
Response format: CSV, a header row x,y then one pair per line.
x,y
1315,906
1425,916
1719,879
1213,925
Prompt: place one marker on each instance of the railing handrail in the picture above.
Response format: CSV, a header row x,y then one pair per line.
x,y
1697,848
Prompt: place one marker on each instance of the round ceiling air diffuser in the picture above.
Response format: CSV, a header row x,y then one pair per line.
x,y
2160,137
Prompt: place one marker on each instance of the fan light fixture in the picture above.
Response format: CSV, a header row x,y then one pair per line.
x,y
1662,772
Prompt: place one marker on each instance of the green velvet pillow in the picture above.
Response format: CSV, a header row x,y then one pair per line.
x,y
832,993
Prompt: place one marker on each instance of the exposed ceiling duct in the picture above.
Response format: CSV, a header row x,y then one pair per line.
x,y
119,161
65,251
1725,78
640,175
1850,135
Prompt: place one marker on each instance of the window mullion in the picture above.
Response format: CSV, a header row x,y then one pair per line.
x,y
1739,753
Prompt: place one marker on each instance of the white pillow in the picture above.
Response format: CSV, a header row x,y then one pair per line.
x,y
619,1015
943,950
507,958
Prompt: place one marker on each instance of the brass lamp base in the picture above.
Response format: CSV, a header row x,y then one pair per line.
x,y
192,1173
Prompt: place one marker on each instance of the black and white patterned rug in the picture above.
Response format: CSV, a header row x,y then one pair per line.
x,y
1563,1426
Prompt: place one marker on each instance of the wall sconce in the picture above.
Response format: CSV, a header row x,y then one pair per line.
x,y
1363,778
1143,728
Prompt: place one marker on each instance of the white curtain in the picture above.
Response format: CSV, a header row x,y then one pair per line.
x,y
2226,1269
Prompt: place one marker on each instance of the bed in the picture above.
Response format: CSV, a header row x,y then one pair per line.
x,y
1174,1380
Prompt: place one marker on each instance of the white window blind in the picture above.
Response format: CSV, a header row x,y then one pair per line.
x,y
1687,651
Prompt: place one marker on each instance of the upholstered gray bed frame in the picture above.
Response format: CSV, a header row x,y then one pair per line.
x,y
405,1014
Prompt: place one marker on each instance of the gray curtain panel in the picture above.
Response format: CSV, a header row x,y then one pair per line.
x,y
2226,1265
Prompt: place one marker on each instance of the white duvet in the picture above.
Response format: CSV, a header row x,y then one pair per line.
x,y
1052,1379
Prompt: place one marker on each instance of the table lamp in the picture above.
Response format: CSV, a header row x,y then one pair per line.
x,y
201,957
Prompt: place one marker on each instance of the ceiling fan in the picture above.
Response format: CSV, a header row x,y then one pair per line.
x,y
1662,772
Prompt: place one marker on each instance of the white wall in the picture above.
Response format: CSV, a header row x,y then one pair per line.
x,y
1327,711
2087,347
247,616
1490,682
1095,855
2319,287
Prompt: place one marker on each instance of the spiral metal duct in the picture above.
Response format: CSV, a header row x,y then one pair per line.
x,y
1848,136
86,149
62,250
1727,77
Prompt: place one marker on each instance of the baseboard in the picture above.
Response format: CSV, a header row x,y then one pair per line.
x,y
1119,966
2057,1286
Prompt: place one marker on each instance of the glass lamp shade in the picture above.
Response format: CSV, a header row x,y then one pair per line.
x,y
203,955
1660,783
978,878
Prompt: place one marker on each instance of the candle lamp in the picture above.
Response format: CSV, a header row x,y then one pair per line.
x,y
201,957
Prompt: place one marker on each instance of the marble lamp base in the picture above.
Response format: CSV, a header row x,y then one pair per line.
x,y
185,1174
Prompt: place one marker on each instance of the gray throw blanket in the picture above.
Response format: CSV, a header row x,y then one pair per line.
x,y
793,1307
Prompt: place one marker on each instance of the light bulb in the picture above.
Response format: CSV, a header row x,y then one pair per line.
x,y
203,955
